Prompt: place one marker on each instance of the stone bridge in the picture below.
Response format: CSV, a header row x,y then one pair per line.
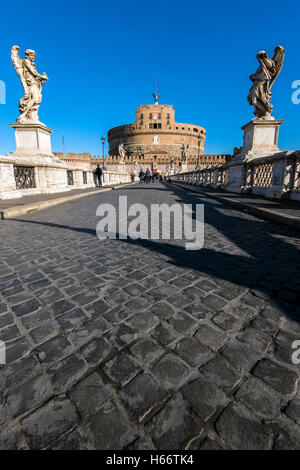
x,y
140,344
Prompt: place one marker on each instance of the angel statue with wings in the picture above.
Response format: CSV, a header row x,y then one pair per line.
x,y
263,80
184,149
32,83
122,153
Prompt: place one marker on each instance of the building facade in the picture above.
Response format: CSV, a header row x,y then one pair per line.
x,y
155,141
155,134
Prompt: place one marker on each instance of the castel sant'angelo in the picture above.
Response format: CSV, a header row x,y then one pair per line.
x,y
155,141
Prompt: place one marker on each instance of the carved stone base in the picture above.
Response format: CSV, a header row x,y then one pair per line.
x,y
184,167
121,168
260,139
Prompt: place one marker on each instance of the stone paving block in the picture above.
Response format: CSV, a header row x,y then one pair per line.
x,y
249,433
137,305
29,395
199,310
143,395
3,307
19,371
204,398
89,394
72,319
259,399
95,351
110,428
293,410
182,323
67,372
84,334
117,314
143,443
49,295
210,444
287,434
97,309
256,339
173,427
180,300
240,354
45,331
162,310
17,349
85,298
9,333
226,322
9,439
54,349
164,334
26,307
49,422
121,335
72,441
144,321
278,377
192,351
146,351
210,336
121,369
214,302
171,372
220,372
4,413
59,307
39,284
6,319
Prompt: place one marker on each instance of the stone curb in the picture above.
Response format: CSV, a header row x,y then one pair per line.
x,y
272,215
15,211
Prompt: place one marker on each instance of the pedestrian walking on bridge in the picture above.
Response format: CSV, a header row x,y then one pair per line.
x,y
98,173
148,176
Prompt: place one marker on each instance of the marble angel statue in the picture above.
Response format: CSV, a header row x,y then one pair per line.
x,y
122,153
32,83
263,80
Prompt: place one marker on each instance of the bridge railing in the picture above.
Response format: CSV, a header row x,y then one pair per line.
x,y
276,176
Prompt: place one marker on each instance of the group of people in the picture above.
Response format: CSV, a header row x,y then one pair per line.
x,y
145,176
148,177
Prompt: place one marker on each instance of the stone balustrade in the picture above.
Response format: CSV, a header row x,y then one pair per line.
x,y
276,176
20,178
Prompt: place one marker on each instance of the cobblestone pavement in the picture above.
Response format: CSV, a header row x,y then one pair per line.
x,y
121,344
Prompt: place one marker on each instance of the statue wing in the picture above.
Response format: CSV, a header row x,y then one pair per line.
x,y
278,59
17,62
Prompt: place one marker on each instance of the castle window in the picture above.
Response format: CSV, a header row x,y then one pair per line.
x,y
150,116
159,116
195,130
141,116
168,116
155,125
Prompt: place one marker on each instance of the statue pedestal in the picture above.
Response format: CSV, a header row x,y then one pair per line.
x,y
184,167
33,143
260,139
32,139
121,167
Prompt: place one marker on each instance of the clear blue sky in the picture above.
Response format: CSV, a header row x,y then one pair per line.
x,y
102,59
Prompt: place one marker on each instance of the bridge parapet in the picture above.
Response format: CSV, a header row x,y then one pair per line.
x,y
276,176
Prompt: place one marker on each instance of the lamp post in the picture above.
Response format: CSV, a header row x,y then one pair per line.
x,y
103,143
